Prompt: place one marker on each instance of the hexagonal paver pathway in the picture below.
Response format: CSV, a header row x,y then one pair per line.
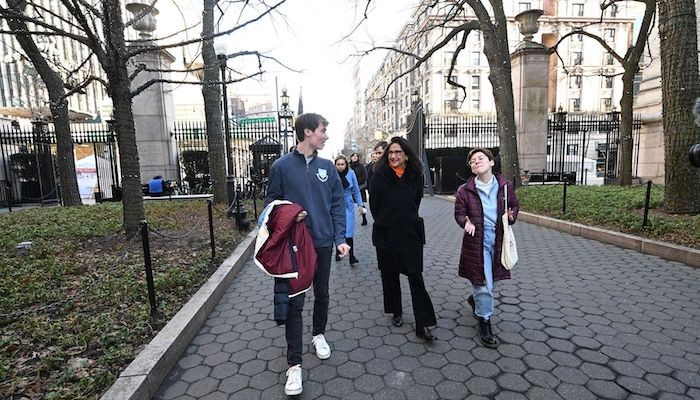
x,y
579,320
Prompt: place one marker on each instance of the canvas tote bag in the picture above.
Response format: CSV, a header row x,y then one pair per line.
x,y
509,250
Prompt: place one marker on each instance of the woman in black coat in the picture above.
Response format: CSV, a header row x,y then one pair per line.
x,y
395,192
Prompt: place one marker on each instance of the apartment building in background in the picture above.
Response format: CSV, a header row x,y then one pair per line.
x,y
583,76
23,95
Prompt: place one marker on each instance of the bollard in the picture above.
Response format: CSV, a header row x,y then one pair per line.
x,y
149,271
563,207
543,172
210,207
645,222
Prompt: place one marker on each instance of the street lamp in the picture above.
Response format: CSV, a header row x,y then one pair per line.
x,y
285,118
239,210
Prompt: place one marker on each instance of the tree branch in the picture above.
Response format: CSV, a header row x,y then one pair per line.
x,y
152,82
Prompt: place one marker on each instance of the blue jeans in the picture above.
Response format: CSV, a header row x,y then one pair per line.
x,y
483,295
294,328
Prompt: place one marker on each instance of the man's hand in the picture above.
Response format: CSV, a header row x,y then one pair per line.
x,y
343,249
301,216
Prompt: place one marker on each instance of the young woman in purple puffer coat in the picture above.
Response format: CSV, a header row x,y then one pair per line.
x,y
479,206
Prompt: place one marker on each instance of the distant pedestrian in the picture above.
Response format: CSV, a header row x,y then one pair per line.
x,y
479,206
351,190
156,186
312,182
395,193
361,174
375,156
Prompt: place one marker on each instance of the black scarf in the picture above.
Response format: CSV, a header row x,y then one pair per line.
x,y
343,177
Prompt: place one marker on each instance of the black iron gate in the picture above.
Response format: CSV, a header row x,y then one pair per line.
x,y
255,144
28,173
586,145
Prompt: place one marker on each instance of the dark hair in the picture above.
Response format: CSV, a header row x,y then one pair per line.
x,y
413,164
342,157
486,152
308,121
355,154
383,144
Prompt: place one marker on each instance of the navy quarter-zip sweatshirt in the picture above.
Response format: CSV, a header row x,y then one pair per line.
x,y
316,186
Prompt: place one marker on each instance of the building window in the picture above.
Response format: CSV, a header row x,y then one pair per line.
x,y
448,57
608,82
524,6
477,36
606,104
475,105
575,81
575,105
609,34
611,11
577,9
476,82
576,58
447,84
608,59
476,58
572,149
577,37
635,84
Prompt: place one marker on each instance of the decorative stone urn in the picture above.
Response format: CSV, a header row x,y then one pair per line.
x,y
528,25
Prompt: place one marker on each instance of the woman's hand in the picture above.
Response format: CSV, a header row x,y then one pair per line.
x,y
511,216
469,228
301,216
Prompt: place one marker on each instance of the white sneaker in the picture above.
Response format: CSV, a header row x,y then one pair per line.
x,y
323,350
293,385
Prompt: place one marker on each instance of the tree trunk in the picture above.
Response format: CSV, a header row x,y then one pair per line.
x,y
70,195
679,89
626,138
211,92
498,56
120,92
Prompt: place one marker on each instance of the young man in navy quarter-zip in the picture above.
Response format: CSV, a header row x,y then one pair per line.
x,y
313,182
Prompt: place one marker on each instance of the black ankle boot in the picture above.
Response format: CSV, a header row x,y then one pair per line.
x,y
424,333
351,243
488,339
364,220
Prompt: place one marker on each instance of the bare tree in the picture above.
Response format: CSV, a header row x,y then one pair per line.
x,y
680,86
100,26
630,63
58,105
453,19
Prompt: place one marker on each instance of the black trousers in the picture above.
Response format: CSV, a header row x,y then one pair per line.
x,y
422,305
294,329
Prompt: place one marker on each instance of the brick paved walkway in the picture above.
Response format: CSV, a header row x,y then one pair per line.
x,y
580,320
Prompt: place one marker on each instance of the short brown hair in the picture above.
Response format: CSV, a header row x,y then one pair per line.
x,y
308,121
486,152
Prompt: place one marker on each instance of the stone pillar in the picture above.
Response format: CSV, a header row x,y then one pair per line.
x,y
530,75
153,108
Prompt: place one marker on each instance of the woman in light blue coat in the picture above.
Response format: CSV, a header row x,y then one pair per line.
x,y
352,195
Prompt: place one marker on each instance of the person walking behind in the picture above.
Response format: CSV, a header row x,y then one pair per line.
x,y
313,182
376,155
479,206
395,193
352,195
361,174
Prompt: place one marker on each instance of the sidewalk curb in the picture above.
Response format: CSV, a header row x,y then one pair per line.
x,y
142,378
665,250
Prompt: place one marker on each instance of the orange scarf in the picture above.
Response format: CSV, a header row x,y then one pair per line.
x,y
399,171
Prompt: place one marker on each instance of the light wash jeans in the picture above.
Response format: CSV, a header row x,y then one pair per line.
x,y
483,295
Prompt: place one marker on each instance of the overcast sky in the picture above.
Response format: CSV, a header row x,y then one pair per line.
x,y
306,35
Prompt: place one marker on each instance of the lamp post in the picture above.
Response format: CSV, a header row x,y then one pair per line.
x,y
232,190
221,54
285,119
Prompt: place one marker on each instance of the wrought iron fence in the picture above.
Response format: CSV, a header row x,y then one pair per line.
x,y
255,144
586,145
461,131
29,173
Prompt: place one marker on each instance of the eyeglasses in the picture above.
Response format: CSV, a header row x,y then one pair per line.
x,y
395,152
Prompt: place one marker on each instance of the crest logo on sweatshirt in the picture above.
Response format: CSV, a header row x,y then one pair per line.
x,y
322,175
